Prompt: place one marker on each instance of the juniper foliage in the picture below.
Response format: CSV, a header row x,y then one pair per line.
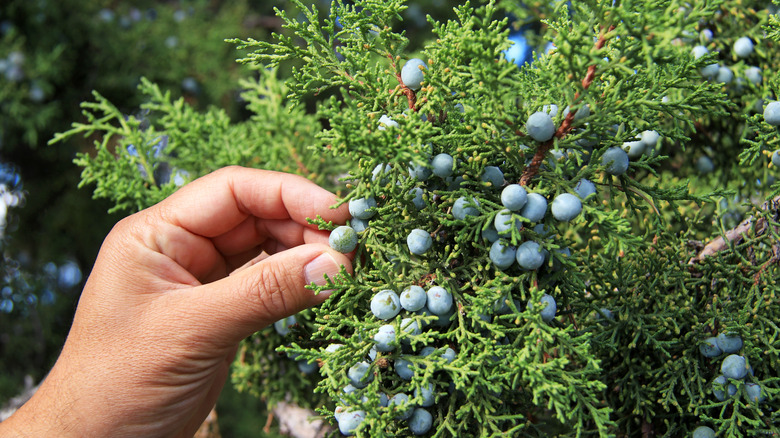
x,y
662,256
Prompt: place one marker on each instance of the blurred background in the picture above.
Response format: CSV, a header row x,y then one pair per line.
x,y
53,54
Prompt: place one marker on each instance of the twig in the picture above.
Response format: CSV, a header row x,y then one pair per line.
x,y
533,168
411,96
736,233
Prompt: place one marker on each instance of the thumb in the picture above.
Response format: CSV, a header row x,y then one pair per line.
x,y
240,304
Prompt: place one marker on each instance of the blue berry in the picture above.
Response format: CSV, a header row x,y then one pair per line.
x,y
362,208
634,149
720,394
504,222
709,348
439,300
350,421
703,432
405,410
443,165
465,207
772,113
385,304
343,239
520,52
427,393
449,355
489,233
606,313
379,171
650,138
550,307
413,298
306,367
743,47
419,171
384,338
584,188
410,327
535,207
418,201
734,367
493,175
411,73
514,197
540,126
420,422
551,109
502,255
581,113
615,160
776,158
753,74
419,241
754,392
530,256
386,122
710,71
359,225
402,369
729,344
359,374
566,207
704,165
283,325
725,75
699,51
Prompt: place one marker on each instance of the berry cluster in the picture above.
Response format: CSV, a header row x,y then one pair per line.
x,y
734,368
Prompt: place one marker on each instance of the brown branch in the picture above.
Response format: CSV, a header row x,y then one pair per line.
x,y
736,233
533,168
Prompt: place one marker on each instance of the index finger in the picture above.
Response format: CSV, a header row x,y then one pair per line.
x,y
216,203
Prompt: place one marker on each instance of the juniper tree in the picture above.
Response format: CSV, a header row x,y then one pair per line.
x,y
614,299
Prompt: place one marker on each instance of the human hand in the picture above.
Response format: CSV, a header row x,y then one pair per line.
x,y
161,315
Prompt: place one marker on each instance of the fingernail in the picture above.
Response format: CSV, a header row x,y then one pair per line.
x,y
315,270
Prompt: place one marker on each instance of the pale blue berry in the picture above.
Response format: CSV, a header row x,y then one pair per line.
x,y
386,122
720,394
359,225
426,393
350,421
566,207
550,307
704,165
584,188
402,369
514,197
540,126
359,374
385,304
418,201
650,138
772,113
419,241
581,113
493,175
380,170
413,298
615,160
465,207
443,165
743,47
703,432
411,73
725,75
439,300
505,221
362,208
410,327
420,422
283,325
710,71
535,207
405,409
754,392
729,344
734,367
449,355
306,367
503,256
384,338
343,239
419,171
551,109
709,348
634,149
753,74
776,158
529,256
699,51
489,233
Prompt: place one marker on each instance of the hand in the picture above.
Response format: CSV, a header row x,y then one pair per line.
x,y
161,315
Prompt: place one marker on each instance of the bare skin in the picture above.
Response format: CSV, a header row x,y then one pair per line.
x,y
161,316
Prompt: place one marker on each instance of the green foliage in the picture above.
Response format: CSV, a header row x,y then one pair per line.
x,y
659,248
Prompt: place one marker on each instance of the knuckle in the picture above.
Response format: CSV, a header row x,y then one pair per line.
x,y
273,289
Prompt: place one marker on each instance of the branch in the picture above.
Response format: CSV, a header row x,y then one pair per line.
x,y
533,168
411,96
298,422
736,233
